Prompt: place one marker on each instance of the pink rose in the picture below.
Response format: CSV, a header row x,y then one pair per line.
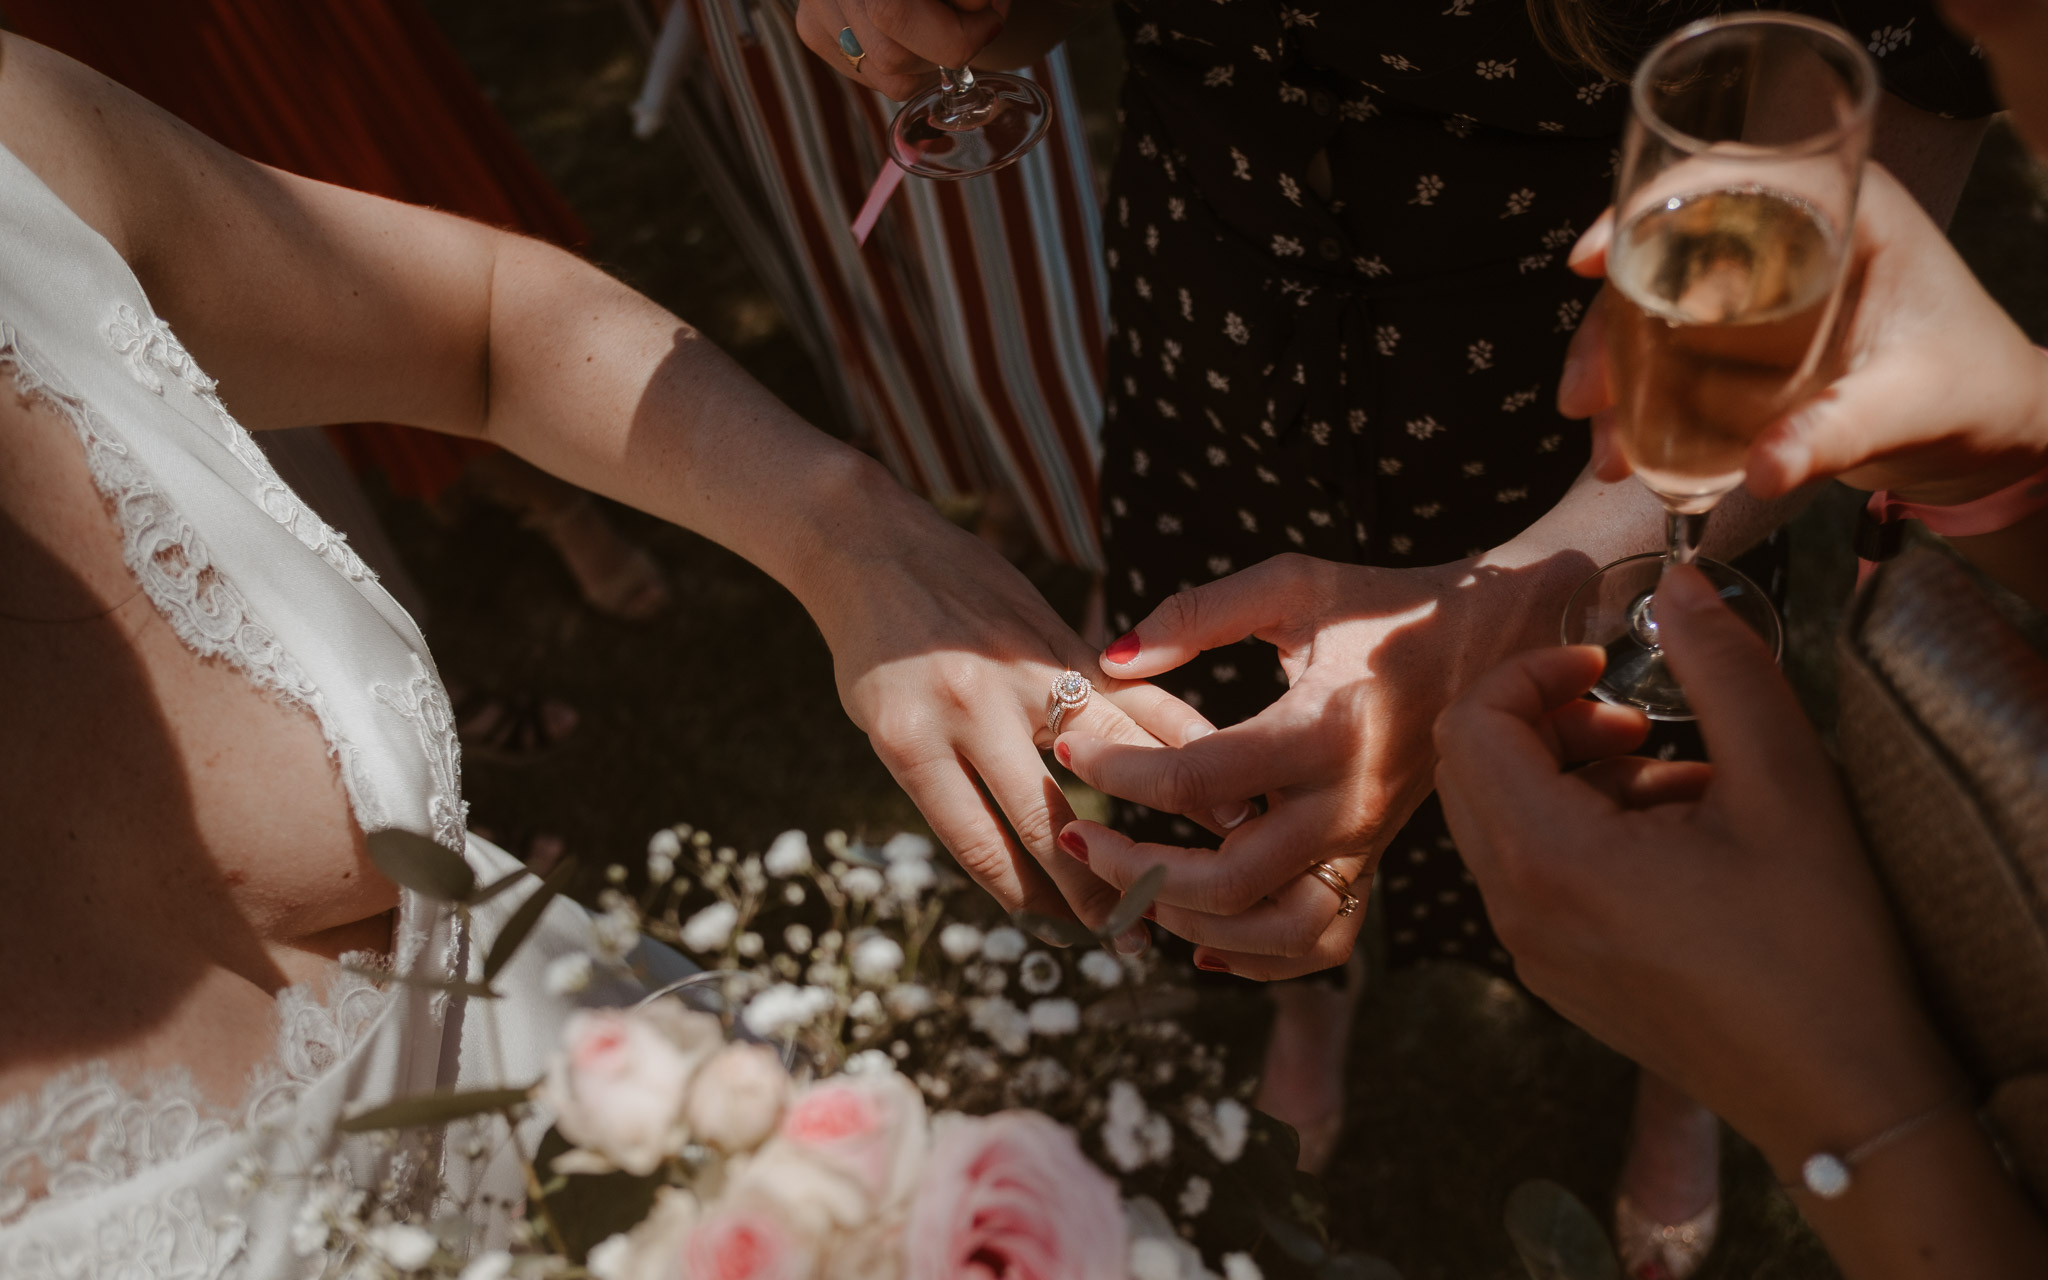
x,y
849,1150
737,1098
1010,1195
747,1241
618,1083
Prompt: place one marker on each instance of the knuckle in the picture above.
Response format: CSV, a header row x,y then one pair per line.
x,y
1034,830
1183,786
1233,891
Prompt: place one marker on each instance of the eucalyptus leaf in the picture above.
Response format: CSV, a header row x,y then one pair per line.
x,y
1356,1266
590,1207
1134,902
433,1108
498,886
420,865
1053,929
1556,1235
527,916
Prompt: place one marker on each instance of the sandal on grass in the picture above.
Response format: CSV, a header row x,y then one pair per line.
x,y
615,577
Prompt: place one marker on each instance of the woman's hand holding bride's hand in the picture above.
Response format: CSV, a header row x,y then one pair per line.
x,y
1343,758
1942,399
903,42
946,657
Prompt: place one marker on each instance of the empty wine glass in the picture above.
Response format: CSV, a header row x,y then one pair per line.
x,y
1734,204
969,124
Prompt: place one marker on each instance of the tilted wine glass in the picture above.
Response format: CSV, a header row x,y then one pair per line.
x,y
1735,199
969,124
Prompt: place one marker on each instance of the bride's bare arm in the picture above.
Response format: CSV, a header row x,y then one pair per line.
x,y
314,304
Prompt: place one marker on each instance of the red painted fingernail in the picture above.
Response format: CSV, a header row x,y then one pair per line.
x,y
1122,649
1064,752
1212,964
1072,842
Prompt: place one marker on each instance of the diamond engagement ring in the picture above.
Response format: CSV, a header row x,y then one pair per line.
x,y
1329,875
1070,690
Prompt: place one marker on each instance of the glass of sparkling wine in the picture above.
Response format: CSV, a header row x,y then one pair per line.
x,y
1735,197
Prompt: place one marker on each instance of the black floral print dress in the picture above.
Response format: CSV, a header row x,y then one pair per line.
x,y
1336,235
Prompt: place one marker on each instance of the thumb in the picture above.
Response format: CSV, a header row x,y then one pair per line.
x,y
1756,732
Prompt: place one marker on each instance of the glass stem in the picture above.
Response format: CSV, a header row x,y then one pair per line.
x,y
963,104
1683,532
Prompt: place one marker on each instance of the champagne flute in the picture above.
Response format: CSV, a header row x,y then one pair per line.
x,y
1735,198
969,124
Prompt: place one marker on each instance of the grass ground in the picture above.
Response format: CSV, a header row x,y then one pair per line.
x,y
723,712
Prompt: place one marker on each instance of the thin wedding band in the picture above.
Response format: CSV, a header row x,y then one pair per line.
x,y
1347,902
1070,690
849,48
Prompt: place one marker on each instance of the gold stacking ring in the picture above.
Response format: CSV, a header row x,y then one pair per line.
x,y
1329,875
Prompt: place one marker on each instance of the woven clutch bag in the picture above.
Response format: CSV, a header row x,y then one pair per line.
x,y
1944,745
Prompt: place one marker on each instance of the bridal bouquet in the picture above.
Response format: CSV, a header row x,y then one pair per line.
x,y
863,1085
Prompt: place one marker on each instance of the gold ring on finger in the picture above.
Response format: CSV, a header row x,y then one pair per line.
x,y
849,48
1070,690
1347,902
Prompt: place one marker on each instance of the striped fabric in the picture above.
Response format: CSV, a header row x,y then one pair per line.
x,y
965,340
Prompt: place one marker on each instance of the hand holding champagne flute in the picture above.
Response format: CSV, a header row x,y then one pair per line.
x,y
1734,200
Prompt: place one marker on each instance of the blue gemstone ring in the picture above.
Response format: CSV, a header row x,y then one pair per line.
x,y
849,48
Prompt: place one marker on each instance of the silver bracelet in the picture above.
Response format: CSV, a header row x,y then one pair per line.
x,y
1828,1175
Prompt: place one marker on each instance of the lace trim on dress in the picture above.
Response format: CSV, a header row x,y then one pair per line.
x,y
164,552
84,1131
152,350
423,702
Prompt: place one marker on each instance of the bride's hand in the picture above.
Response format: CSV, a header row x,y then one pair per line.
x,y
946,656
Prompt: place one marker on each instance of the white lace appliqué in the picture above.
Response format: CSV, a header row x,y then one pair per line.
x,y
153,351
424,704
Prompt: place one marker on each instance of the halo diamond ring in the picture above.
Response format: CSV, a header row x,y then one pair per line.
x,y
1070,690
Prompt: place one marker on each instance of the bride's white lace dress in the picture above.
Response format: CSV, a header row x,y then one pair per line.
x,y
102,1180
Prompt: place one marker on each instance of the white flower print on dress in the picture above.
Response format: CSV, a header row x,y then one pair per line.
x,y
1515,494
1427,188
1291,17
1886,40
1371,268
1569,313
1560,236
1490,69
1549,443
1217,380
1219,77
1460,125
1424,427
1240,167
1235,329
1479,355
1359,108
1549,126
1176,209
1386,337
1592,93
1291,190
1398,63
1287,247
1459,9
1534,262
1520,400
1473,469
1519,202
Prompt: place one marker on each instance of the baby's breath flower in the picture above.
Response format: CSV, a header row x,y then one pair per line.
x,y
1055,1017
960,942
784,1008
862,884
727,855
1039,974
244,1177
616,873
835,843
710,929
866,1007
751,877
907,846
869,1062
793,894
403,1245
497,1264
908,1001
877,959
1004,945
1194,1197
909,877
1102,969
616,932
1002,1022
1239,1266
797,938
567,974
749,944
1042,1077
789,854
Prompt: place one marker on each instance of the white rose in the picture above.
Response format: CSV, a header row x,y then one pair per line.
x,y
618,1083
1004,945
1055,1017
907,847
736,1100
788,855
877,959
403,1245
960,942
567,974
850,1149
710,929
